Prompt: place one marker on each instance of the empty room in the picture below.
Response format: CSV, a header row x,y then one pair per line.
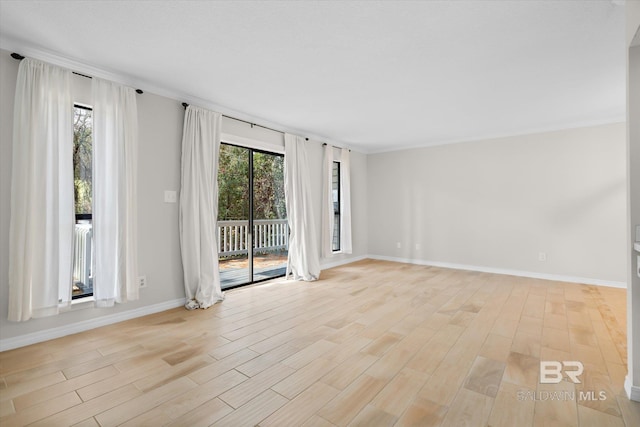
x,y
320,213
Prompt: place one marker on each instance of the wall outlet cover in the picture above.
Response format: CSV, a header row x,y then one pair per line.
x,y
170,196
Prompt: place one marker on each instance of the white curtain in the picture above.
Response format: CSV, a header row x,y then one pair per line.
x,y
304,261
346,246
42,206
327,202
345,201
115,151
199,207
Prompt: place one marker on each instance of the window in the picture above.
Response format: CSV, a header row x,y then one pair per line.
x,y
335,191
83,197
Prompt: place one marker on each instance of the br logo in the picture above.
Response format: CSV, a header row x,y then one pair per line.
x,y
551,371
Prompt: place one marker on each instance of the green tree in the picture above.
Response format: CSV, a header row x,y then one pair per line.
x,y
82,158
233,184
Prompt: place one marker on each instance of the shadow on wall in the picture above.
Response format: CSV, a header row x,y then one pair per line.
x,y
565,214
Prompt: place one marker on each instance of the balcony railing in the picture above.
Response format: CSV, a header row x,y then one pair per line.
x,y
82,258
268,235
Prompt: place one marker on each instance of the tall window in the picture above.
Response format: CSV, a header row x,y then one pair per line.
x,y
335,190
83,196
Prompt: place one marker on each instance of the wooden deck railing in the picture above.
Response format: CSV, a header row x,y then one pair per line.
x,y
268,235
83,252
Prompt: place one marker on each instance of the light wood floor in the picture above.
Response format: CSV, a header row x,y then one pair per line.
x,y
372,343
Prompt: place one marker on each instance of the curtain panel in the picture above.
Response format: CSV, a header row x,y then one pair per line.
x,y
42,204
304,261
115,152
346,246
327,202
199,207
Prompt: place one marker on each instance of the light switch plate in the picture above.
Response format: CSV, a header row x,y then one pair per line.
x,y
170,196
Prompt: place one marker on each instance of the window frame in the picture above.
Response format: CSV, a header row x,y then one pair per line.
x,y
336,243
83,217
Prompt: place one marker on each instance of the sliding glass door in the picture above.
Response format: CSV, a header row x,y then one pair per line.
x,y
253,232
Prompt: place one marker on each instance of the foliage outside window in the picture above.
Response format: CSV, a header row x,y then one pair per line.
x,y
82,159
233,185
83,197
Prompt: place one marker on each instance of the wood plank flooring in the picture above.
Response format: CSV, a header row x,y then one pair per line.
x,y
373,344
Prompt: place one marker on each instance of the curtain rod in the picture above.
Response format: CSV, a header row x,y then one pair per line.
x,y
19,57
185,105
325,144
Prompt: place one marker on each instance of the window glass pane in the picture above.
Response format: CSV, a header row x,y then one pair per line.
x,y
82,156
335,187
270,227
83,196
233,183
253,233
234,239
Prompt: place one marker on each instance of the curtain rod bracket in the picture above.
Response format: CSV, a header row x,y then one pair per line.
x,y
140,91
185,105
17,56
324,144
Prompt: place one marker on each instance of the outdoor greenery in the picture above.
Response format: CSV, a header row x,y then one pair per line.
x,y
233,184
233,177
82,154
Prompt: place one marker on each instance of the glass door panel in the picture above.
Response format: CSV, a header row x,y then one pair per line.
x,y
253,233
270,227
234,239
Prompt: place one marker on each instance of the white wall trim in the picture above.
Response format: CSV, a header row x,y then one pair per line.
x,y
520,273
488,137
251,143
327,263
633,391
62,331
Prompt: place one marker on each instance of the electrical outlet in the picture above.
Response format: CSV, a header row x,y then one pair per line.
x,y
170,196
142,281
542,256
398,245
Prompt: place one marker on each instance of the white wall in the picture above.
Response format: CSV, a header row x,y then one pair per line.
x,y
633,179
160,130
496,204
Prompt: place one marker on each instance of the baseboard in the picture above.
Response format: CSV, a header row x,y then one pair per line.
x,y
62,331
633,391
520,273
331,264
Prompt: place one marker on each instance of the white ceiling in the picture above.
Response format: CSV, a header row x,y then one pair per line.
x,y
374,75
